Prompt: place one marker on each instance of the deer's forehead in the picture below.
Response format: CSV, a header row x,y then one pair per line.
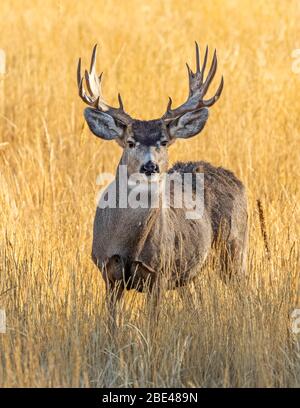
x,y
147,132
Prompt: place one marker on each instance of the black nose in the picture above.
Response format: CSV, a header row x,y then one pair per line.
x,y
149,168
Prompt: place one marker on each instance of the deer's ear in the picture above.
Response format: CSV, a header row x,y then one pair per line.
x,y
103,125
189,124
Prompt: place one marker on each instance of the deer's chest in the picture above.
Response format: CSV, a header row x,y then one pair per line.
x,y
172,244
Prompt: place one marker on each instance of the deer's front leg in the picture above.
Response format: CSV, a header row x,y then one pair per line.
x,y
113,273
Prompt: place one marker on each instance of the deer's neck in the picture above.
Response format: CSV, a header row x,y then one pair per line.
x,y
138,192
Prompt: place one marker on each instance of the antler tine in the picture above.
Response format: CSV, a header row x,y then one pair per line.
x,y
217,95
79,77
87,81
169,110
211,73
191,79
86,98
197,58
121,106
95,99
204,64
83,95
93,59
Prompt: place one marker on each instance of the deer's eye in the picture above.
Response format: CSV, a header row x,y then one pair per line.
x,y
130,144
164,143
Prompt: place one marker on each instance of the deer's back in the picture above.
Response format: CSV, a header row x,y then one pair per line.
x,y
225,199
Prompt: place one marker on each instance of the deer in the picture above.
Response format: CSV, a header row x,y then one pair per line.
x,y
154,248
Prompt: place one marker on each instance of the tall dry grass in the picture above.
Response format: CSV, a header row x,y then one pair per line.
x,y
52,293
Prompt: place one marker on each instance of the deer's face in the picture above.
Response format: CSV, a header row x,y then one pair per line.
x,y
146,148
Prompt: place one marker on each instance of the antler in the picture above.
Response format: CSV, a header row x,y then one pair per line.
x,y
95,98
197,88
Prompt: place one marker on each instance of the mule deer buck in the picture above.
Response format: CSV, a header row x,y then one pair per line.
x,y
135,246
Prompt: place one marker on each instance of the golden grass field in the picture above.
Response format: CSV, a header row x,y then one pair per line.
x,y
238,336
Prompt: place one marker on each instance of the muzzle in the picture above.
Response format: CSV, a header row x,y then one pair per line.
x,y
149,168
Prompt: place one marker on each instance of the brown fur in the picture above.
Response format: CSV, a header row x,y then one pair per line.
x,y
156,242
